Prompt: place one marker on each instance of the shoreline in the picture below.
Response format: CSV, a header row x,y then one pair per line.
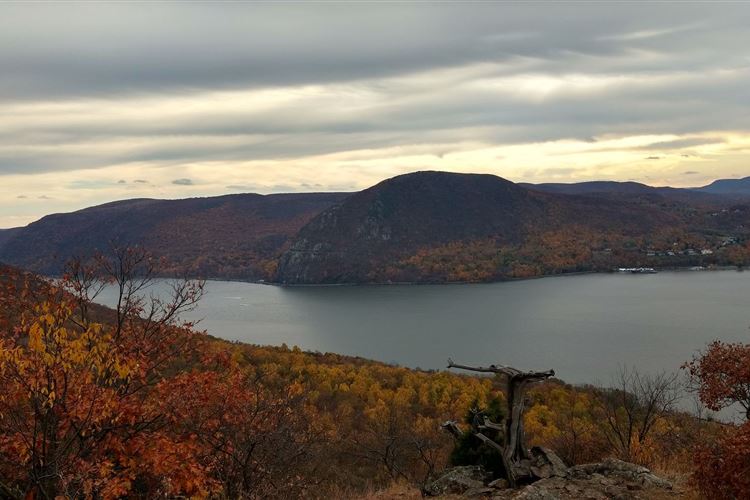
x,y
692,269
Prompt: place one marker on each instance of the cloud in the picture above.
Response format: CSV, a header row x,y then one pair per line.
x,y
685,143
653,157
21,196
277,96
558,172
200,46
122,181
651,33
45,197
690,172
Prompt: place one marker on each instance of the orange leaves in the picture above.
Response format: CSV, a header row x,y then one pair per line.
x,y
722,373
564,418
722,468
77,404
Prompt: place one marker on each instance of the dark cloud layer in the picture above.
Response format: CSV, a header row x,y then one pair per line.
x,y
158,86
51,50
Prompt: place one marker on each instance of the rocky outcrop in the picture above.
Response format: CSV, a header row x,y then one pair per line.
x,y
611,479
458,480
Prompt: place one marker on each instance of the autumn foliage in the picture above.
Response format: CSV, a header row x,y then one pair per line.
x,y
722,377
100,403
133,402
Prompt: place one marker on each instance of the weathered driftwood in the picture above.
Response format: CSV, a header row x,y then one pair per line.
x,y
516,458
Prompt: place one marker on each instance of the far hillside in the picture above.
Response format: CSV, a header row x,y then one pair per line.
x,y
423,227
728,186
443,227
235,236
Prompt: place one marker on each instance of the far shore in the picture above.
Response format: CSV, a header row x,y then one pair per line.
x,y
418,283
502,280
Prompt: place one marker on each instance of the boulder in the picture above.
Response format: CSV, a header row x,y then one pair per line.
x,y
610,479
458,480
545,463
637,476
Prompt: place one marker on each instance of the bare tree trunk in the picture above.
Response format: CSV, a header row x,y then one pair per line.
x,y
515,455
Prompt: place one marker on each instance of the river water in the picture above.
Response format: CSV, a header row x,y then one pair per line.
x,y
585,327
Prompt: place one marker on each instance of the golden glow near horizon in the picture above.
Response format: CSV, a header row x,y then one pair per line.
x,y
629,158
533,102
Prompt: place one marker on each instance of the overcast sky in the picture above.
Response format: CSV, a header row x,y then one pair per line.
x,y
117,100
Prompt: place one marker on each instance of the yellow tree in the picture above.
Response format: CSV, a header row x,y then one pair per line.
x,y
77,413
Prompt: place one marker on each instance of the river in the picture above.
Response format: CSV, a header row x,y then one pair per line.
x,y
585,327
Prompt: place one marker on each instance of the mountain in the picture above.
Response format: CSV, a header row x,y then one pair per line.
x,y
630,189
234,236
7,234
728,187
592,187
420,227
400,215
438,226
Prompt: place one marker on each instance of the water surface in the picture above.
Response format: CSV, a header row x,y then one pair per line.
x,y
584,327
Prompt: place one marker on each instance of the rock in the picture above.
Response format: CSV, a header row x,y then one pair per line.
x,y
535,492
457,480
592,494
610,479
571,488
545,463
624,470
478,492
500,484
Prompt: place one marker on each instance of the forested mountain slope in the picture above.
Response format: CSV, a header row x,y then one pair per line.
x,y
728,186
419,227
438,226
234,236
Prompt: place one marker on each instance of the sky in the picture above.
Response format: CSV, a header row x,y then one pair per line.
x,y
116,100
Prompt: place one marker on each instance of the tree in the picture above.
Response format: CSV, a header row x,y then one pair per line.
x,y
469,450
261,441
632,407
517,461
561,417
78,414
721,375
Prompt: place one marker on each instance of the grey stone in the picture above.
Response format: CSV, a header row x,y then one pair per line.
x,y
478,492
457,480
537,493
500,484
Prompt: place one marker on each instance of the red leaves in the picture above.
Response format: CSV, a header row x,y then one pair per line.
x,y
137,404
723,375
722,469
78,413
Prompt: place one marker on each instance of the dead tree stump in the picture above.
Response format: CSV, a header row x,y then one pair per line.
x,y
516,458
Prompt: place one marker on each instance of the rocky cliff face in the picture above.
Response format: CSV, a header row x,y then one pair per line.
x,y
353,242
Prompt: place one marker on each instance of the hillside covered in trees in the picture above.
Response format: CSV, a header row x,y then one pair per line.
x,y
437,226
132,402
234,236
420,227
